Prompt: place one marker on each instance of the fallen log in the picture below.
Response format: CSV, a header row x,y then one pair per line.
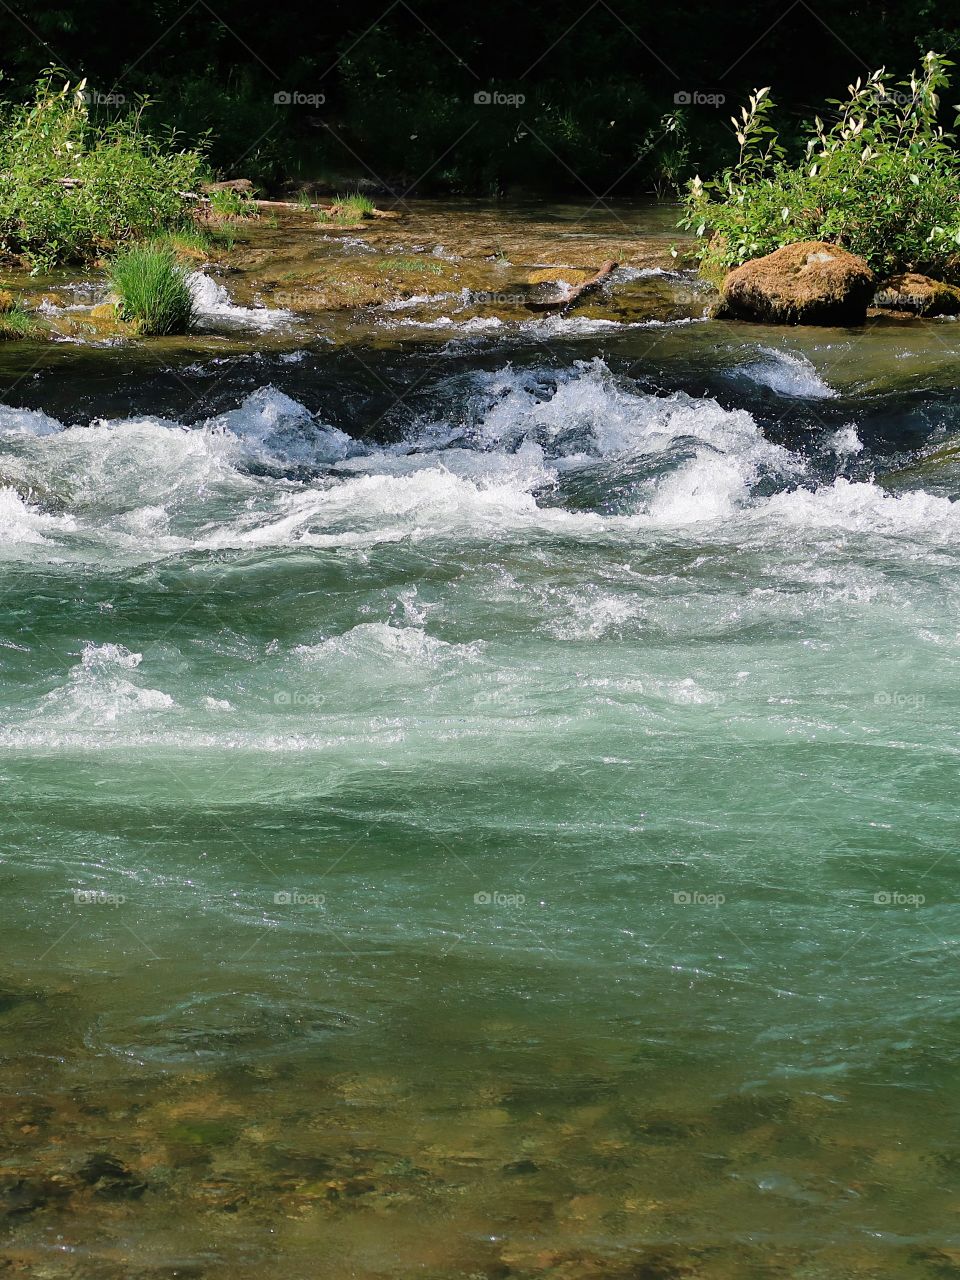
x,y
330,209
70,183
574,296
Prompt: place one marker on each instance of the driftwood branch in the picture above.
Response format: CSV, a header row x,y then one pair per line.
x,y
332,210
71,183
574,296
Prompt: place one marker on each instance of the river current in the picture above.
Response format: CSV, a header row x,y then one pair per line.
x,y
482,804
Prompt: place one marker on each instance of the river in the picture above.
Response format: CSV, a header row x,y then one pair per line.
x,y
477,798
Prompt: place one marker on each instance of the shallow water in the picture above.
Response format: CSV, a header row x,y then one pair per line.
x,y
480,804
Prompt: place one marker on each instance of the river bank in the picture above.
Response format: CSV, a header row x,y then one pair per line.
x,y
488,263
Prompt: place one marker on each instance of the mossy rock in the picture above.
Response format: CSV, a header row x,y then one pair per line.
x,y
16,323
917,295
810,282
102,321
559,275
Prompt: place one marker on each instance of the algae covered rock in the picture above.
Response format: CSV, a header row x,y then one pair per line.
x,y
918,295
571,276
104,311
810,282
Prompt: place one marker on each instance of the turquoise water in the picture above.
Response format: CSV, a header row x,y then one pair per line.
x,y
506,834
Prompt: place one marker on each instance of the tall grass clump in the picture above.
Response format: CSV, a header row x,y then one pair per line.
x,y
71,190
17,322
346,210
152,289
881,179
233,204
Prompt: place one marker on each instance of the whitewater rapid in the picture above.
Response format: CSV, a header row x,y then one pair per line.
x,y
499,462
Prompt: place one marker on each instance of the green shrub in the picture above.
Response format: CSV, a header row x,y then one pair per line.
x,y
17,322
232,204
882,180
152,289
189,244
70,191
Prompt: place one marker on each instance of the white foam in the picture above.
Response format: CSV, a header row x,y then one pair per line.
x,y
426,299
377,641
845,442
865,508
275,428
26,422
788,373
22,523
590,413
99,690
213,306
144,487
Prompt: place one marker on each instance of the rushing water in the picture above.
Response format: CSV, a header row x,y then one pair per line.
x,y
483,807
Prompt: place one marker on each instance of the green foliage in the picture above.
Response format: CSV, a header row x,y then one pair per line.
x,y
346,210
189,244
17,322
232,204
221,110
881,180
153,290
666,149
70,190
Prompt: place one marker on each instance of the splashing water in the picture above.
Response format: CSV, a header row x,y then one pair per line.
x,y
517,842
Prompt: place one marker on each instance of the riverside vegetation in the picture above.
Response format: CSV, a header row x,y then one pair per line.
x,y
73,191
882,181
152,290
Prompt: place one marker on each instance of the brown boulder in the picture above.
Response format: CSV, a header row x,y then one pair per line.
x,y
243,186
811,282
918,295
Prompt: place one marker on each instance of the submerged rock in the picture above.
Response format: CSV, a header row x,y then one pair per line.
x,y
111,1178
27,1194
917,295
811,282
